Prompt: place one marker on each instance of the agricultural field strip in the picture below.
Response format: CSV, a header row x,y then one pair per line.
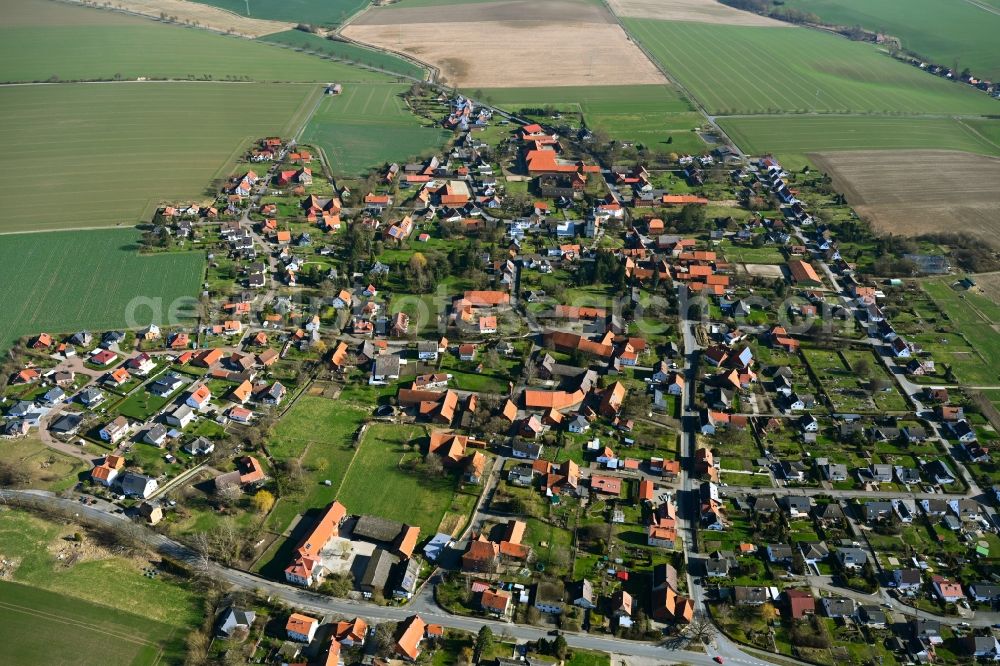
x,y
791,134
676,62
52,617
709,87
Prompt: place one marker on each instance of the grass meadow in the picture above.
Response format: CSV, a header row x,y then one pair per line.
x,y
61,282
101,606
85,155
378,482
347,52
368,125
315,12
749,70
944,32
793,134
974,316
79,43
647,114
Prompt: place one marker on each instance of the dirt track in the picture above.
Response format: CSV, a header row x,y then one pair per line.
x,y
701,11
511,44
912,192
203,15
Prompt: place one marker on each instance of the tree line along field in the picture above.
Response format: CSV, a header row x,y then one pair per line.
x,y
943,31
367,125
346,51
84,155
65,281
99,609
79,43
647,114
315,12
784,135
749,70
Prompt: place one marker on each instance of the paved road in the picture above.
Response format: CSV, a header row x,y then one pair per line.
x,y
311,601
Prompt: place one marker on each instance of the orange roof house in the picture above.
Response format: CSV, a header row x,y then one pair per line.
x,y
408,643
607,485
406,542
305,566
242,392
482,299
283,236
803,273
611,400
208,358
646,490
26,376
301,627
351,633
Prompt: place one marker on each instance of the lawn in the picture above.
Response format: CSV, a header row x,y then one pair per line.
x,y
321,432
648,114
86,155
85,44
70,280
366,126
974,316
78,632
315,12
380,483
346,52
736,69
114,583
791,134
944,32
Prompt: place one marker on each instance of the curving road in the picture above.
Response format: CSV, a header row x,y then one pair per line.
x,y
102,514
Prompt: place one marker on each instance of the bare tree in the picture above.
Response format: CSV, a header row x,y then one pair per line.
x,y
701,629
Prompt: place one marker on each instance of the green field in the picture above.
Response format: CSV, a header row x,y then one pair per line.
x,y
643,114
347,52
77,43
77,632
103,605
738,70
83,155
315,12
378,484
943,31
320,432
368,125
65,281
974,316
793,134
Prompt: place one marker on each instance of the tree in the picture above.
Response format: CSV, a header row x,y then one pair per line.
x,y
263,501
433,464
484,642
560,648
701,629
385,637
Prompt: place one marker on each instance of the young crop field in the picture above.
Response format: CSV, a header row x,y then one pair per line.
x,y
796,135
315,12
87,155
347,52
651,115
736,70
380,483
65,281
90,44
942,31
367,125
